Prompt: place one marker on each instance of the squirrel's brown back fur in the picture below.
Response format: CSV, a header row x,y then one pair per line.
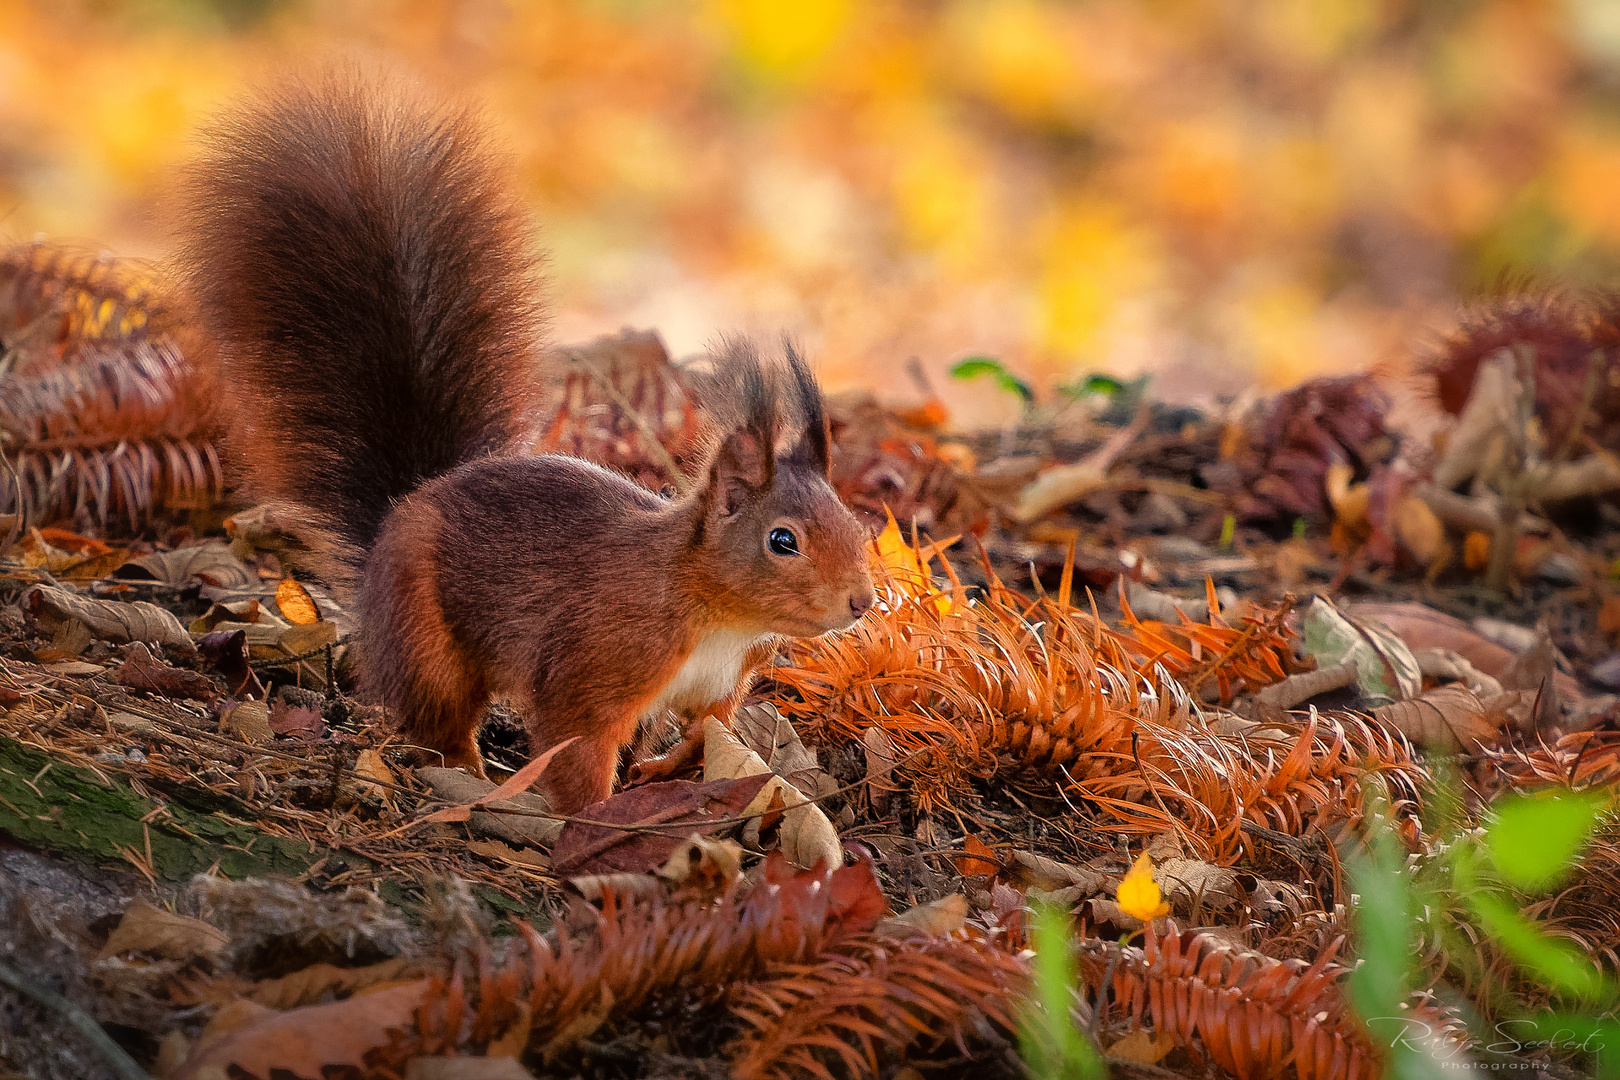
x,y
369,281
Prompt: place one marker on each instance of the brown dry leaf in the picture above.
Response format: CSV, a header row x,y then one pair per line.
x,y
455,786
241,611
314,983
308,1041
977,858
468,1068
1446,719
373,772
660,817
807,837
211,563
1141,1047
771,735
1038,872
937,918
111,620
1423,627
156,932
295,603
142,671
298,719
1061,485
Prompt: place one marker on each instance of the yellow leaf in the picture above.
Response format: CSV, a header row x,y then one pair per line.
x,y
296,605
904,566
1138,894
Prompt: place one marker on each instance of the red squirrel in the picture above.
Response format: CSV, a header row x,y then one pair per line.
x,y
362,266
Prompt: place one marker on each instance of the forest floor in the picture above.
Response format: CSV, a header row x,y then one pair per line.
x,y
1195,680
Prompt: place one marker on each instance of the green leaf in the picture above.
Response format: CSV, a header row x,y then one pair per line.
x,y
974,366
1552,961
1383,920
1051,1045
1534,841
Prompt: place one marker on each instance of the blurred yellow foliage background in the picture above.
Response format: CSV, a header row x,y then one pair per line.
x,y
1221,191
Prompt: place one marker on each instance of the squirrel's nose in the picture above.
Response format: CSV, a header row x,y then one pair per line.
x,y
862,602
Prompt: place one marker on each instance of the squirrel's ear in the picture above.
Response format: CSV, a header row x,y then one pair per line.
x,y
814,447
744,465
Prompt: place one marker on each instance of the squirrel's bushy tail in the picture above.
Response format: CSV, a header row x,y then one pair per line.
x,y
369,282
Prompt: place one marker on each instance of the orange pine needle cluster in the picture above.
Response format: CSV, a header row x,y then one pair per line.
x,y
1008,683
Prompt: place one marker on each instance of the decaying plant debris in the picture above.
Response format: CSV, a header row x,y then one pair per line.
x,y
281,889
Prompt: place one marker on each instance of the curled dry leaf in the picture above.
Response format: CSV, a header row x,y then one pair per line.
x,y
211,563
1452,718
111,620
248,721
156,932
1385,668
309,1041
1063,484
465,790
321,982
807,836
937,918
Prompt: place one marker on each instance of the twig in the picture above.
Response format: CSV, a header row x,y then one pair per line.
x,y
121,1063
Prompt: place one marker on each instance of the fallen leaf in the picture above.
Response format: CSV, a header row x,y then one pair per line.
x,y
456,786
318,982
295,603
1418,529
142,671
248,721
937,918
1141,1047
1385,668
659,818
227,653
110,620
293,715
1445,719
210,563
147,929
308,1042
807,837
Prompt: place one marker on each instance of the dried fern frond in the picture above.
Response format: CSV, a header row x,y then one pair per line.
x,y
122,434
875,999
665,950
1253,1014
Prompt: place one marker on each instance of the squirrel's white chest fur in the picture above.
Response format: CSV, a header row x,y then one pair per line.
x,y
709,673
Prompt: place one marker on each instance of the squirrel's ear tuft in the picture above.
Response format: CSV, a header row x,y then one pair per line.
x,y
814,448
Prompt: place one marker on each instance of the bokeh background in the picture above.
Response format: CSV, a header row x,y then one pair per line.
x,y
1223,192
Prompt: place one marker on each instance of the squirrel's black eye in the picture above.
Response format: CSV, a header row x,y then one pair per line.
x,y
783,542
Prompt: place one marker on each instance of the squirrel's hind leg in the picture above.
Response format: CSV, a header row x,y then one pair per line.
x,y
412,661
